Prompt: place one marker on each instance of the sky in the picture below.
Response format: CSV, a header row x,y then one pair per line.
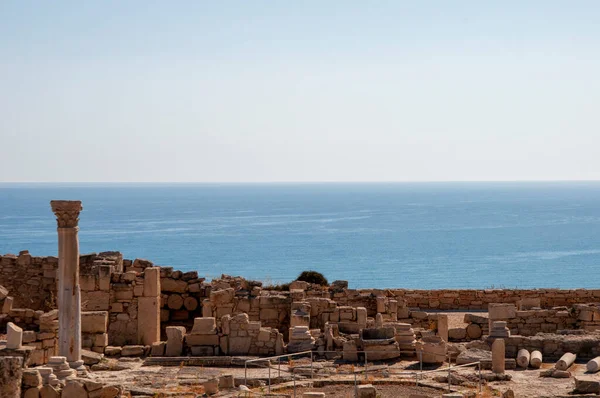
x,y
298,91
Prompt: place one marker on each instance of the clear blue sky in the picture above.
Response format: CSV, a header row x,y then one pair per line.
x,y
299,90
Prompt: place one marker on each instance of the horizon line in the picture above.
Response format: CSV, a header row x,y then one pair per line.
x,y
292,182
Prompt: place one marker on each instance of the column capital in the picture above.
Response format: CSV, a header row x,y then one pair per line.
x,y
67,212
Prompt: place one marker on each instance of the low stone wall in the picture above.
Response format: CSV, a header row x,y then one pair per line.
x,y
553,346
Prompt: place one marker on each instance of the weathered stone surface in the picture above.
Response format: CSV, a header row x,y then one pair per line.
x,y
593,365
49,392
31,378
366,391
132,351
523,358
172,285
190,303
211,387
90,357
175,301
457,334
11,374
175,336
535,361
94,321
498,356
204,325
148,320
565,361
3,292
587,385
32,392
73,389
473,355
158,349
222,296
152,282
474,331
14,336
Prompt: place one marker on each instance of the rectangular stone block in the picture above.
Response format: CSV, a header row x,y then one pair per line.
x,y
148,319
202,339
175,336
204,325
14,336
152,282
94,321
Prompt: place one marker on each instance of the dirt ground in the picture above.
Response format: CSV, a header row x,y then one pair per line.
x,y
336,380
383,391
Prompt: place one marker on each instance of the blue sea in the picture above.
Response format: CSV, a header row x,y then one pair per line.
x,y
375,235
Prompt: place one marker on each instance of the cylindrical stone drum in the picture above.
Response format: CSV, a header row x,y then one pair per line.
x,y
593,365
523,358
536,359
565,361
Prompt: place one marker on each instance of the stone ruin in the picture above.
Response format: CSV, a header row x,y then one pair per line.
x,y
64,315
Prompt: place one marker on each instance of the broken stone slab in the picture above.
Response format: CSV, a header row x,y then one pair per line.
x,y
175,335
587,385
557,374
14,336
7,305
31,378
473,355
158,349
91,358
3,292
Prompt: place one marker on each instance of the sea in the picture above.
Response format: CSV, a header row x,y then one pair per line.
x,y
374,235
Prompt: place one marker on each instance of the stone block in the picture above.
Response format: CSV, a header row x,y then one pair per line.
x,y
173,285
204,325
87,282
202,339
366,391
457,334
7,305
94,321
74,389
14,336
158,349
3,292
104,273
31,378
175,335
148,319
239,345
220,297
501,311
95,301
132,351
587,385
203,351
100,340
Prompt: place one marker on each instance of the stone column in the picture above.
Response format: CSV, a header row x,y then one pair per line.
x,y
69,295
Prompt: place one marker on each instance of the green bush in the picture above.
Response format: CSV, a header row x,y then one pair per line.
x,y
313,277
285,287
